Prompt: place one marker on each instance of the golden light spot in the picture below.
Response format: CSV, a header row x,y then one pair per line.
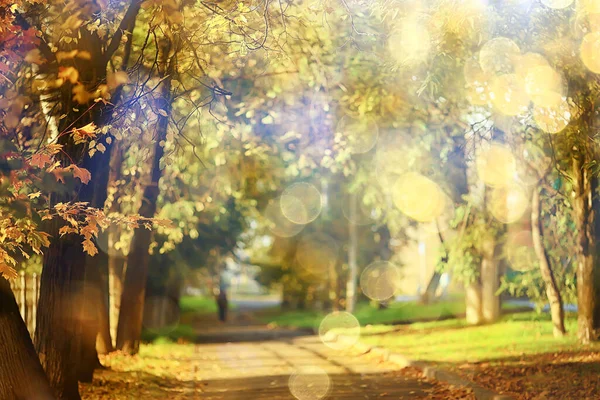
x,y
478,95
392,159
477,90
316,253
360,133
278,224
339,330
552,119
508,204
508,94
418,197
364,215
590,6
309,383
528,61
380,280
557,4
519,251
545,86
499,56
590,51
496,166
473,73
410,43
301,203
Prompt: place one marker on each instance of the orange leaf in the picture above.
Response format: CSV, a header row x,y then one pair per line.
x,y
89,247
40,160
59,174
7,271
85,132
83,174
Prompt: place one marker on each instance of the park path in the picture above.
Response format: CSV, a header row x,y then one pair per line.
x,y
301,368
293,368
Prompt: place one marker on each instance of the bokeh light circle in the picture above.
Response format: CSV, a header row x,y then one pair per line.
x,y
496,166
418,197
590,6
316,253
519,251
278,224
557,4
339,330
410,43
365,214
499,56
392,158
590,51
553,119
309,383
301,203
545,86
360,133
526,62
508,204
379,280
508,94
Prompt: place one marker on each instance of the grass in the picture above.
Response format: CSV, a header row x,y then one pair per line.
x,y
517,355
453,341
191,307
368,314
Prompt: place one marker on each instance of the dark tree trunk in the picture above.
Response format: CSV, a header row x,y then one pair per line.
x,y
61,313
552,291
134,287
586,249
104,342
64,313
116,270
434,282
21,374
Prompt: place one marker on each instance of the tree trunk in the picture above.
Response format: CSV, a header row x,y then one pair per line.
x,y
434,282
134,286
116,273
552,291
586,249
61,313
21,374
474,312
352,254
490,283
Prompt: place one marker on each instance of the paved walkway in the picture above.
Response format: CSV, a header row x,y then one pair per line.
x,y
300,368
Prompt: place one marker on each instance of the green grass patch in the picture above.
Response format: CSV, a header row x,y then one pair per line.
x,y
453,341
169,334
370,314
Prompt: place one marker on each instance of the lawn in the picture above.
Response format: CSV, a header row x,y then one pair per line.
x,y
369,314
191,308
518,355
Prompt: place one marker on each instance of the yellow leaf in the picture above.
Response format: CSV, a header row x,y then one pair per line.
x,y
65,55
117,79
89,247
7,271
66,230
69,73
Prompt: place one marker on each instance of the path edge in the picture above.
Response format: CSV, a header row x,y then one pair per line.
x,y
430,371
